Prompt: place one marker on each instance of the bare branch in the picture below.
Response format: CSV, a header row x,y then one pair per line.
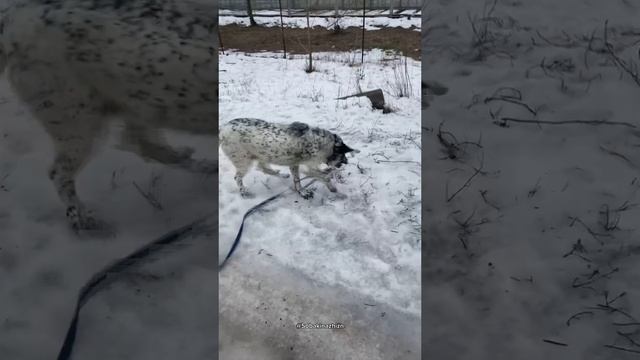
x,y
504,121
578,315
554,342
468,182
630,68
622,348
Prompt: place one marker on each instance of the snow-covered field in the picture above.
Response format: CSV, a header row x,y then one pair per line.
x,y
541,243
371,23
356,12
161,310
366,245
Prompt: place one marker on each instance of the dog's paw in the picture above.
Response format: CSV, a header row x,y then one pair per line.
x,y
306,194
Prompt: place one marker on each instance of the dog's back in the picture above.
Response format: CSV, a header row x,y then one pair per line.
x,y
278,144
150,59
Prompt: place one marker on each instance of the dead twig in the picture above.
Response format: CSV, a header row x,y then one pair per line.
x,y
468,182
628,337
484,39
578,316
577,250
504,120
622,348
608,301
449,142
618,155
631,68
607,305
151,199
510,95
591,232
594,276
554,342
513,101
483,194
452,147
467,226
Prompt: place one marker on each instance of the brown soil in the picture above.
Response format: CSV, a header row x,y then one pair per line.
x,y
254,39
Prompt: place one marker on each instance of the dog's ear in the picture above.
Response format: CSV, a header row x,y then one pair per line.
x,y
297,128
343,149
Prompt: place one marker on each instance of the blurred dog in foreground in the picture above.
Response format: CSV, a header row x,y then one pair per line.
x,y
78,64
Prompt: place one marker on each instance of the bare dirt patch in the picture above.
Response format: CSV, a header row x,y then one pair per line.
x,y
255,39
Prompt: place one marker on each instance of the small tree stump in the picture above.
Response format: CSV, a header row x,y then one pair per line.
x,y
375,96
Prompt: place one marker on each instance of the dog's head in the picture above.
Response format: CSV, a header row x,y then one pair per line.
x,y
338,155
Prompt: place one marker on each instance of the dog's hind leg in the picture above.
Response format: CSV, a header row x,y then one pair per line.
x,y
265,168
242,166
70,159
73,137
240,173
73,146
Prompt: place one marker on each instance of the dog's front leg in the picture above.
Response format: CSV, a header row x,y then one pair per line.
x,y
295,173
68,162
73,128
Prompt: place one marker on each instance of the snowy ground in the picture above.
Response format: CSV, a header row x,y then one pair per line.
x,y
366,248
371,23
159,311
549,220
378,12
